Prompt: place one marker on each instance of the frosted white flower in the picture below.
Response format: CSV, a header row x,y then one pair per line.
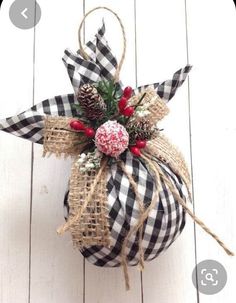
x,y
89,161
81,160
89,165
83,156
142,113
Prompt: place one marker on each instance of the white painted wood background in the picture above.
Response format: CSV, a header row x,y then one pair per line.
x,y
36,265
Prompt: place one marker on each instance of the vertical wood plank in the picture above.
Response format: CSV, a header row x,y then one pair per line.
x,y
212,50
161,50
15,160
56,268
111,286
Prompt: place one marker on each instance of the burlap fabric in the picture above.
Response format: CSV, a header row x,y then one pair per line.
x,y
157,108
60,139
93,227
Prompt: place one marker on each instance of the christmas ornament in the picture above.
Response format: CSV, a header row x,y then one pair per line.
x,y
112,139
129,186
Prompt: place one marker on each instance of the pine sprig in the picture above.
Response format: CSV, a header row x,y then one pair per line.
x,y
109,91
79,113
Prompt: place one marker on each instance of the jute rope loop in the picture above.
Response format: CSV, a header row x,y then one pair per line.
x,y
85,55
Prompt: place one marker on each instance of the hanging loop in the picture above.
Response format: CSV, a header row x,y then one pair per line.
x,y
85,55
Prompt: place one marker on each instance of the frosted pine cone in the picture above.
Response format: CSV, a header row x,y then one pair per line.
x,y
141,129
91,103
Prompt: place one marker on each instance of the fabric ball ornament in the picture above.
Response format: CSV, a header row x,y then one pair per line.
x,y
112,138
163,226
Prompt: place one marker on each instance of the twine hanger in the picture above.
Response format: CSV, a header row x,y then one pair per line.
x,y
85,55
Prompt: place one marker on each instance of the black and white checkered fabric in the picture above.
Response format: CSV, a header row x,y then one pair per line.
x,y
164,224
167,89
101,65
167,220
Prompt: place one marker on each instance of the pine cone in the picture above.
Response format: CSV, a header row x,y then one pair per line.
x,y
141,129
91,103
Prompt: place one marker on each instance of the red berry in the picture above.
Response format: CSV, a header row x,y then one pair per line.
x,y
122,103
77,125
135,151
90,132
128,111
141,143
127,93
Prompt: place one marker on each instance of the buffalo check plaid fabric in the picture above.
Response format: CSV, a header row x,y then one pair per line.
x,y
30,124
101,65
165,222
167,89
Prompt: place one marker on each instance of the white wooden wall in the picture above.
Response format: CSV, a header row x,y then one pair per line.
x,y
36,265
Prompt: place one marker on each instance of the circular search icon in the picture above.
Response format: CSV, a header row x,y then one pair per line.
x,y
209,277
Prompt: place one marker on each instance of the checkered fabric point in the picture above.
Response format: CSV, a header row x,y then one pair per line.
x,y
167,89
101,65
30,124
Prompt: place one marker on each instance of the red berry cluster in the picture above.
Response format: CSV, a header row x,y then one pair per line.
x,y
123,108
128,111
136,149
79,126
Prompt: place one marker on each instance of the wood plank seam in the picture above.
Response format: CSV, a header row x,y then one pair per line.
x,y
32,159
136,85
190,143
